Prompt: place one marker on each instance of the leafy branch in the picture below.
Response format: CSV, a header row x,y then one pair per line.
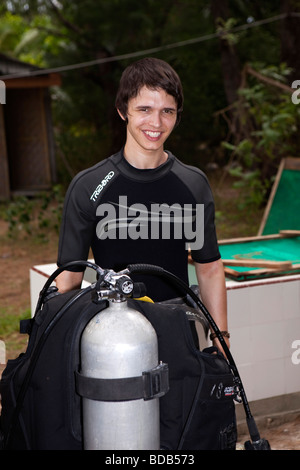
x,y
262,127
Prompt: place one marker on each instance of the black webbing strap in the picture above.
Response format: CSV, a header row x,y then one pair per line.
x,y
153,383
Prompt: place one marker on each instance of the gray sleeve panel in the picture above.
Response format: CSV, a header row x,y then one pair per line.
x,y
198,184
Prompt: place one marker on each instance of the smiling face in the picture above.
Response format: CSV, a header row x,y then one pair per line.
x,y
151,117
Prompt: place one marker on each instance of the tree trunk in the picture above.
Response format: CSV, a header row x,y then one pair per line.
x,y
229,60
290,37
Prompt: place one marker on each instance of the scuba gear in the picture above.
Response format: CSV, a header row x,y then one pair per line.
x,y
41,407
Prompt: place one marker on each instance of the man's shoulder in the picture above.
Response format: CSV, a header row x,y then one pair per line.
x,y
89,183
188,172
102,171
98,169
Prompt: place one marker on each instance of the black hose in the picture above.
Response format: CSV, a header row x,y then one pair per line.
x,y
65,267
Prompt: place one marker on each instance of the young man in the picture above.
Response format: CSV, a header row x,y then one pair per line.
x,y
142,205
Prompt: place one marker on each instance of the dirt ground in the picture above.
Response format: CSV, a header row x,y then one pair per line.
x,y
282,432
17,256
16,259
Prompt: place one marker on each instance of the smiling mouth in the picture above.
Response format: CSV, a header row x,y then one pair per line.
x,y
153,134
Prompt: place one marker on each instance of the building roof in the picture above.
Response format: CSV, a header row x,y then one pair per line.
x,y
10,66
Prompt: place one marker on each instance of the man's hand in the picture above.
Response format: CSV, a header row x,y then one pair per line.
x,y
68,280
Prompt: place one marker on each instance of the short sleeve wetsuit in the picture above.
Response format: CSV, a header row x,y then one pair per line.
x,y
127,216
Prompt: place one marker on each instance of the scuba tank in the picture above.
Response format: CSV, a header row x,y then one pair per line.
x,y
120,379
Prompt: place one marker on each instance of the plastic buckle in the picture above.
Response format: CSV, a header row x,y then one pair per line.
x,y
156,381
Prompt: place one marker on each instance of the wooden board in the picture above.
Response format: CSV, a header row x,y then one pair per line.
x,y
261,256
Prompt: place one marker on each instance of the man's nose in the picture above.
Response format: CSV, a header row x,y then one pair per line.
x,y
155,119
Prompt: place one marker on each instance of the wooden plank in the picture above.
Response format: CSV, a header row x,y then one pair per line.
x,y
249,239
43,81
289,233
281,234
258,263
244,274
4,168
271,197
292,163
260,273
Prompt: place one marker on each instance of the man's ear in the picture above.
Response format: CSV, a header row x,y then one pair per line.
x,y
121,115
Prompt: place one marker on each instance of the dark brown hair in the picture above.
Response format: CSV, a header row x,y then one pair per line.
x,y
152,73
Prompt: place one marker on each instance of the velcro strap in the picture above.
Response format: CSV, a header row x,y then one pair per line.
x,y
151,384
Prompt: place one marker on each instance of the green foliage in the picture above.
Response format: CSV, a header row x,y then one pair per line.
x,y
224,29
10,330
267,123
11,29
34,217
87,128
18,215
31,42
10,322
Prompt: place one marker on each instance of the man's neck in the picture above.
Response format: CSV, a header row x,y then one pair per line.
x,y
144,160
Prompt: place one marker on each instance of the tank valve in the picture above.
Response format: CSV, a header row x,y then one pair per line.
x,y
114,285
124,285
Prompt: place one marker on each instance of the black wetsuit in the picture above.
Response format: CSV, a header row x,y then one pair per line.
x,y
127,216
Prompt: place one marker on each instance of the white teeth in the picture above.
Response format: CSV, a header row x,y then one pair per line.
x,y
152,134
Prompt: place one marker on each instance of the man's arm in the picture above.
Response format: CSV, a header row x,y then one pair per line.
x,y
68,280
211,280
